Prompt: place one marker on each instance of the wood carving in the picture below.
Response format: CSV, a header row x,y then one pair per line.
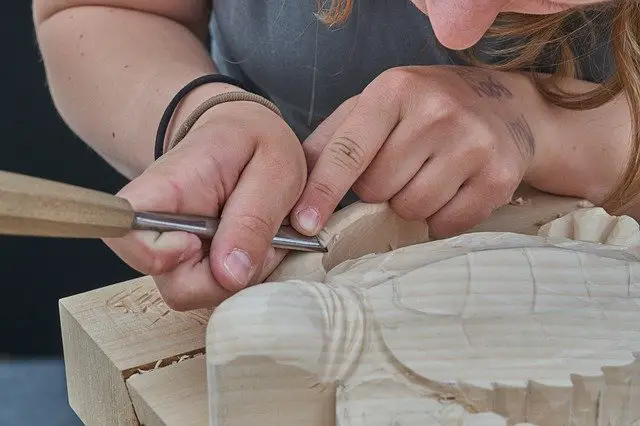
x,y
486,328
130,360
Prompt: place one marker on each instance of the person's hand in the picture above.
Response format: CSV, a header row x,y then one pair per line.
x,y
241,163
445,144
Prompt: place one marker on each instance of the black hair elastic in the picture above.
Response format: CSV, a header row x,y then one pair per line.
x,y
168,113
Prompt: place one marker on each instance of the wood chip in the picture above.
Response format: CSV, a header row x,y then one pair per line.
x,y
519,202
585,204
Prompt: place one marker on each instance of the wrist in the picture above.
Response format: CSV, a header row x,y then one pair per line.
x,y
192,100
581,153
180,101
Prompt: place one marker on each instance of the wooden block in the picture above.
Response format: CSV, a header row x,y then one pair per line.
x,y
172,395
111,333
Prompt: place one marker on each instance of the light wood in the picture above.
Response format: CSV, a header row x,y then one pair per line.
x,y
39,207
106,340
109,334
164,395
485,329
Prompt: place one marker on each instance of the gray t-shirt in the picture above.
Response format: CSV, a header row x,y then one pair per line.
x,y
307,69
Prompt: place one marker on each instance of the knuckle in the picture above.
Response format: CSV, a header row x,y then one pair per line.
x,y
504,177
326,191
397,80
444,106
482,138
502,182
345,152
254,226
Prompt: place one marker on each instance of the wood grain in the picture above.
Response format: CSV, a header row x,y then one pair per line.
x,y
164,395
111,333
402,337
39,207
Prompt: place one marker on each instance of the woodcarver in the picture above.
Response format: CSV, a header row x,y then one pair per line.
x,y
261,112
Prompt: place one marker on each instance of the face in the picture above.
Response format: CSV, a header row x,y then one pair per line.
x,y
459,24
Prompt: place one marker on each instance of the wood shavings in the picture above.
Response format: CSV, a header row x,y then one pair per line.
x,y
159,363
519,202
585,204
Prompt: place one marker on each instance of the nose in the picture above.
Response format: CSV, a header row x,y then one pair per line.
x,y
459,24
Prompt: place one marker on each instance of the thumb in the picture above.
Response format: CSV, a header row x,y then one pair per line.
x,y
149,252
264,195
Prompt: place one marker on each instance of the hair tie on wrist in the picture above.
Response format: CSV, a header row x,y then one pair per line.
x,y
215,100
168,113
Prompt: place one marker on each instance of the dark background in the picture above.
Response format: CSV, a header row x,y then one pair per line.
x,y
36,272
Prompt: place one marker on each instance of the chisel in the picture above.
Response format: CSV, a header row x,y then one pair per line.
x,y
31,206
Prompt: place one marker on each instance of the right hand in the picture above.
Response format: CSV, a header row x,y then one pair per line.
x,y
242,163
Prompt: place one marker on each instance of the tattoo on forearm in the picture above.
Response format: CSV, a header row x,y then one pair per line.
x,y
484,84
522,135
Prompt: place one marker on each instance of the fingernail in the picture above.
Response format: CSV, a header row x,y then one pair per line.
x,y
309,219
238,264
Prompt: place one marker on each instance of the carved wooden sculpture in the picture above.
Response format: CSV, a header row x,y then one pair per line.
x,y
130,360
487,328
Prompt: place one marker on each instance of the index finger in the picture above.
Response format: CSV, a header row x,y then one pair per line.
x,y
350,150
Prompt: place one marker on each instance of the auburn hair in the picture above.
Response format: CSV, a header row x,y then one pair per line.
x,y
543,32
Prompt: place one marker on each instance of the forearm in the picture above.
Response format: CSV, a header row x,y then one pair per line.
x,y
581,153
112,73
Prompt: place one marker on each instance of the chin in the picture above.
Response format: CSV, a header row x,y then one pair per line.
x,y
421,6
536,7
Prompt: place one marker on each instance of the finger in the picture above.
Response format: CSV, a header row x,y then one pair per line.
x,y
347,154
431,188
265,193
153,253
191,285
319,138
471,206
396,163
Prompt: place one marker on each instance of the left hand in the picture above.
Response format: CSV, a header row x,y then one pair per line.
x,y
445,144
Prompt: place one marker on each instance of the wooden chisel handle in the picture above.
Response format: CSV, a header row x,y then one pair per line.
x,y
31,206
38,207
